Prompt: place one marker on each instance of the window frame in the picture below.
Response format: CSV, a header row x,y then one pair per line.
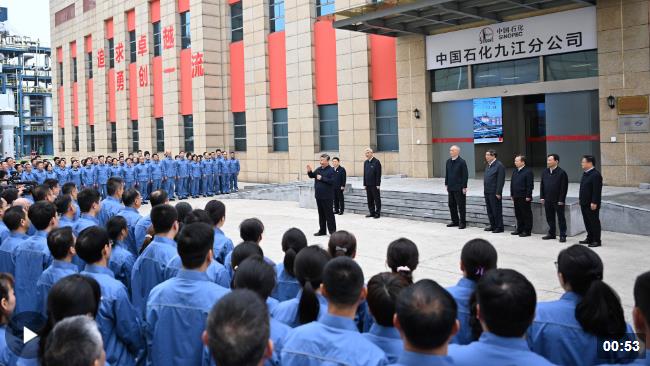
x,y
276,22
75,138
91,137
135,135
389,118
111,53
160,134
280,120
325,4
133,47
322,121
188,125
89,65
157,39
113,136
186,33
239,124
236,32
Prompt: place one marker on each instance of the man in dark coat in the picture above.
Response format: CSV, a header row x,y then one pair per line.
x,y
552,194
456,175
339,186
324,191
591,188
521,193
493,181
371,182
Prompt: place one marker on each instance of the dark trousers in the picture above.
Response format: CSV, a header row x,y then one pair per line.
x,y
523,214
326,215
374,200
456,200
339,201
494,211
592,222
553,209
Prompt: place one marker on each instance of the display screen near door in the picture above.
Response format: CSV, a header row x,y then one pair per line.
x,y
488,121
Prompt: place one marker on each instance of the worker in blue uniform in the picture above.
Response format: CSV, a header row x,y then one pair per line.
x,y
225,182
89,205
61,243
425,315
117,319
157,173
196,176
169,178
218,172
132,201
88,174
208,176
149,268
235,168
18,223
74,175
177,308
335,336
39,173
112,204
183,171
129,174
143,177
62,173
28,174
116,169
102,173
32,256
501,293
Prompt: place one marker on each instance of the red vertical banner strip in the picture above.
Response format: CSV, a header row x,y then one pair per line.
x,y
133,91
59,54
73,49
88,43
61,107
383,67
90,99
75,105
111,95
130,20
157,87
278,70
237,81
109,28
186,81
154,10
230,2
325,51
183,6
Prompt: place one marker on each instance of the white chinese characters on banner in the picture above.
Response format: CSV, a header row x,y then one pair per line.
x,y
563,32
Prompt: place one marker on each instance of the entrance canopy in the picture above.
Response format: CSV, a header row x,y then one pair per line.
x,y
406,17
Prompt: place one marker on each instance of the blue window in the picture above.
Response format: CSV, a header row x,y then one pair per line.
x,y
329,127
276,14
237,21
157,39
280,130
325,7
186,37
240,130
506,73
386,120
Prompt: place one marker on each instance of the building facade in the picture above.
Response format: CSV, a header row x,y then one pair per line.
x,y
281,82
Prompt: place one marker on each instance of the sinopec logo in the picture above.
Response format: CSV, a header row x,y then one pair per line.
x,y
486,35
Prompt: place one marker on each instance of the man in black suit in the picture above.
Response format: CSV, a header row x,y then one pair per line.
x,y
339,186
493,181
371,182
521,193
324,188
591,188
456,183
552,194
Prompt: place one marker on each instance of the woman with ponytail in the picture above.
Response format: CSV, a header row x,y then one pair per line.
x,y
476,258
566,331
342,244
402,257
309,304
287,286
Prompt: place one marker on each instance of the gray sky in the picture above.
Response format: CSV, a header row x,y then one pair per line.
x,y
30,18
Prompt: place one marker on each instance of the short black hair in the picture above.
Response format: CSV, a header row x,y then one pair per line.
x,y
41,213
113,185
194,242
478,256
555,157
13,216
336,158
325,156
506,291
251,230
163,218
74,341
343,280
216,210
158,197
115,226
342,243
521,157
91,242
383,291
86,198
129,196
426,313
68,188
243,251
198,215
642,295
183,209
51,183
238,329
62,203
40,193
255,274
59,241
590,159
10,195
492,152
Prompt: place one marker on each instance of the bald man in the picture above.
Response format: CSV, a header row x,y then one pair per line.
x,y
371,183
456,183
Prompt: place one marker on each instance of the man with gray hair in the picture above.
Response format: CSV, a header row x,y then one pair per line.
x,y
371,183
75,341
324,180
456,176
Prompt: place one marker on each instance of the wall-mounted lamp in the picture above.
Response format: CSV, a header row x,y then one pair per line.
x,y
611,102
416,113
